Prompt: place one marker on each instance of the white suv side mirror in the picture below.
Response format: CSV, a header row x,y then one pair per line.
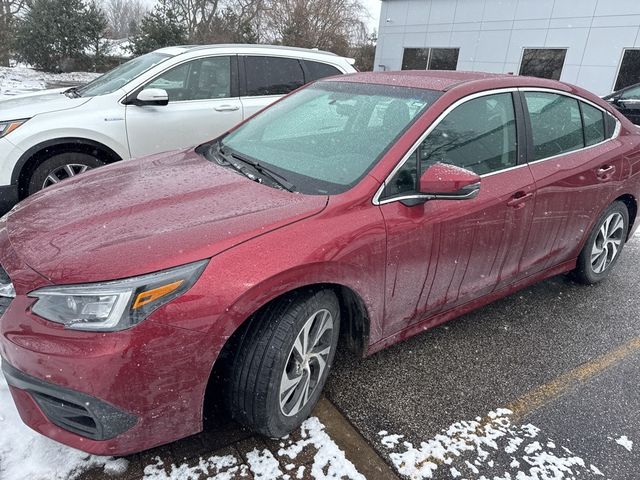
x,y
152,96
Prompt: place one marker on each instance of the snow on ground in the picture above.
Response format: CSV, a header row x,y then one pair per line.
x,y
21,79
329,462
492,447
625,442
25,454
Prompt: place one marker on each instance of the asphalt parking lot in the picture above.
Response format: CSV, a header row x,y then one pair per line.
x,y
542,381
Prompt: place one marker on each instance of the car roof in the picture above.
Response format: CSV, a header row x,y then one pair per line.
x,y
445,80
177,50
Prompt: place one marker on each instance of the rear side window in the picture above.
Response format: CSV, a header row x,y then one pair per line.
x,y
556,124
272,75
317,70
593,120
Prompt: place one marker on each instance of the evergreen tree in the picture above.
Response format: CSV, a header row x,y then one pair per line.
x,y
54,34
159,28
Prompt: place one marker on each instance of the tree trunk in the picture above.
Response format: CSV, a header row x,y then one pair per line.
x,y
5,33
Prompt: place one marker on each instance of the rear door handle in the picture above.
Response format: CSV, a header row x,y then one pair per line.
x,y
605,172
227,108
519,198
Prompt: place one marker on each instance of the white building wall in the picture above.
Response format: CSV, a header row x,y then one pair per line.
x,y
492,34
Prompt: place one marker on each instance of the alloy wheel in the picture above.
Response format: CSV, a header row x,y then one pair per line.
x,y
607,243
307,362
64,172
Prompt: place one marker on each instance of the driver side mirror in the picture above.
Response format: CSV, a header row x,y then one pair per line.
x,y
448,182
152,96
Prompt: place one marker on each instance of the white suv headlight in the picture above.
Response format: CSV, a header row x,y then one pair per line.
x,y
9,126
114,306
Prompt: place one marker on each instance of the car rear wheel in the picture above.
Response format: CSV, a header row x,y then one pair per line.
x,y
282,362
604,245
60,167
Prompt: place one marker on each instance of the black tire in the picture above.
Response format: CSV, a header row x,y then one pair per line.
x,y
265,349
585,271
58,162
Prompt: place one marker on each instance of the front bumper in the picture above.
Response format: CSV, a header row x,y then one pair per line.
x,y
70,410
124,392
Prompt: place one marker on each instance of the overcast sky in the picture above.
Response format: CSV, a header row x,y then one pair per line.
x,y
374,10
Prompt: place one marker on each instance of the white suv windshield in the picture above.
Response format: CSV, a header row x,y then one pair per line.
x,y
120,76
325,138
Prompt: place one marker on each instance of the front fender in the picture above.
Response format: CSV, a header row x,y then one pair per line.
x,y
347,249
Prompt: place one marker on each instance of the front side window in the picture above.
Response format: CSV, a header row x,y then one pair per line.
x,y
272,75
325,138
479,135
430,58
120,76
556,124
202,79
543,62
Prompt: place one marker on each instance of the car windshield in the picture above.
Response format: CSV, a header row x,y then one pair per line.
x,y
325,138
120,76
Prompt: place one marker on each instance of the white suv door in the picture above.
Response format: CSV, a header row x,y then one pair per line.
x,y
203,103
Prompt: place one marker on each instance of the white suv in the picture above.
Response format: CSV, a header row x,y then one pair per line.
x,y
172,98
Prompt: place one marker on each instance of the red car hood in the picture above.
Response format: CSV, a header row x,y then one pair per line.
x,y
146,215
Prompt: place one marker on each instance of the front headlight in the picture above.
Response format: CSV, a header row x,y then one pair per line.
x,y
114,306
7,127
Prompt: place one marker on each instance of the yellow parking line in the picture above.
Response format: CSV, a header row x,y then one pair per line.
x,y
543,394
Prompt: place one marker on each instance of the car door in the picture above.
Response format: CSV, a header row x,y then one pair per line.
x,y
443,253
575,168
264,79
628,102
203,104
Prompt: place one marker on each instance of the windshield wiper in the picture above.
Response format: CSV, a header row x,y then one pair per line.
x,y
228,154
72,92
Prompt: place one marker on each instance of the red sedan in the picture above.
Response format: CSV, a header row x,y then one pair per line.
x,y
359,211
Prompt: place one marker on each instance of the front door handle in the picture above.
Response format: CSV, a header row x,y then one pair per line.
x,y
227,108
519,198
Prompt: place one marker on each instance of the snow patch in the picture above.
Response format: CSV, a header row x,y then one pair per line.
x,y
22,79
263,465
492,447
329,461
625,442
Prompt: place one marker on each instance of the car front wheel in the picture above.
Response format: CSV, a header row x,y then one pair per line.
x,y
61,167
604,245
282,362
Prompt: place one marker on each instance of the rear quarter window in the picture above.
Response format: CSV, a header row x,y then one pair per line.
x,y
318,70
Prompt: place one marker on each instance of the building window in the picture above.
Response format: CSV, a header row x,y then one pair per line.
x,y
543,62
430,58
629,72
